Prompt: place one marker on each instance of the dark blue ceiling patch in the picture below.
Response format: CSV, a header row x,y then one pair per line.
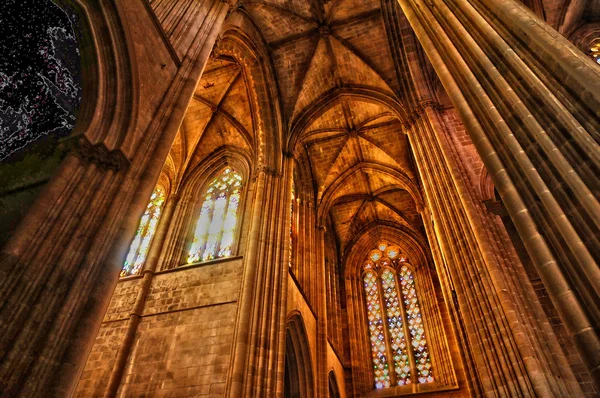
x,y
40,73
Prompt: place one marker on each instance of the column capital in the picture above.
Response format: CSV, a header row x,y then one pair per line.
x,y
100,154
268,170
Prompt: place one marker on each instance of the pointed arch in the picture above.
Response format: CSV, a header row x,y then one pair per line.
x,y
299,376
241,41
334,389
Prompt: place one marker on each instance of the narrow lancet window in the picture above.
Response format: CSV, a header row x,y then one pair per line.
x,y
378,344
395,325
143,237
595,51
415,325
214,235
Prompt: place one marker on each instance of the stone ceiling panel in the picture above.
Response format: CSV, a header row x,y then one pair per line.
x,y
291,60
237,104
276,22
341,10
367,38
333,118
355,71
319,79
324,154
373,153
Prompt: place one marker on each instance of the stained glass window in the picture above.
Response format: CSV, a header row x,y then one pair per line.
x,y
595,51
374,314
214,235
396,328
415,325
143,237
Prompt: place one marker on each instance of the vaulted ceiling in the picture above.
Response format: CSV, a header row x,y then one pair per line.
x,y
218,115
359,161
358,156
361,168
317,47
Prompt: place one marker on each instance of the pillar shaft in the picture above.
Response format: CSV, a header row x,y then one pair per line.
x,y
507,359
256,368
59,269
529,100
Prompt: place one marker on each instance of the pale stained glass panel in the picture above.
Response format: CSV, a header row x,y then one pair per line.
x,y
595,51
140,245
201,232
214,235
396,328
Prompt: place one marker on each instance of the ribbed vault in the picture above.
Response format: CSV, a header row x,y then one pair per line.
x,y
361,167
219,115
318,47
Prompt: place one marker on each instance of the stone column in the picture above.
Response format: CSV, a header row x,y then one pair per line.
x,y
321,389
138,307
529,100
257,361
509,352
59,269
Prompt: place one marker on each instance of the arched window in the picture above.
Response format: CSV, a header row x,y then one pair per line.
x,y
396,330
143,237
595,51
215,230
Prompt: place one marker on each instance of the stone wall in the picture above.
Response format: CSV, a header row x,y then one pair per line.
x,y
183,342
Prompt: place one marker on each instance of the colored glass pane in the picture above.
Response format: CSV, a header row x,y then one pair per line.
x,y
396,328
143,237
215,230
415,326
394,322
378,344
595,51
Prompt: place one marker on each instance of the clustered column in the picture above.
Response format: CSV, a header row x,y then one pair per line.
x,y
529,100
257,364
497,335
58,270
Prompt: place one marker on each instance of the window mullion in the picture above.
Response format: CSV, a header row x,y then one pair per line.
x,y
220,236
386,333
408,336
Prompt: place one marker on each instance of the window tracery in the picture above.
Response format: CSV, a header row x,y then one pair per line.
x,y
396,327
143,237
214,235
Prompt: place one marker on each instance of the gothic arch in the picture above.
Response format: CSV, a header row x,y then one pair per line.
x,y
419,258
240,41
328,100
103,139
334,389
109,105
486,185
585,36
299,376
199,176
189,201
400,177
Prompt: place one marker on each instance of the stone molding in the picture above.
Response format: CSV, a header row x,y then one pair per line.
x,y
100,155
